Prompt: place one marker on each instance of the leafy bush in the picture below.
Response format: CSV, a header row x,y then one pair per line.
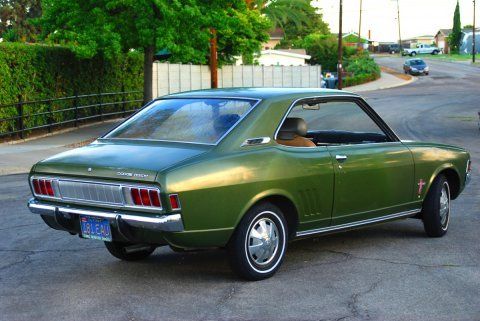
x,y
362,69
35,72
324,50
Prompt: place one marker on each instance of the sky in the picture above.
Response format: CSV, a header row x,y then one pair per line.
x,y
417,17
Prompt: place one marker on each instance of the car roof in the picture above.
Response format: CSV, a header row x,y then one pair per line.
x,y
416,59
260,93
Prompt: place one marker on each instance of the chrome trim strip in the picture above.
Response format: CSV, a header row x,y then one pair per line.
x,y
122,186
468,174
347,226
256,141
170,223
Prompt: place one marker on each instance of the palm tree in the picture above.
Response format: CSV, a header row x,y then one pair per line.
x,y
280,12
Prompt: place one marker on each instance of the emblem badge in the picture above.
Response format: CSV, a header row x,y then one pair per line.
x,y
421,184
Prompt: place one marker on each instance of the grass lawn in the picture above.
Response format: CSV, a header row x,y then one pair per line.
x,y
454,57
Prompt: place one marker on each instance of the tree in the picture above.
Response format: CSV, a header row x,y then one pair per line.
x,y
282,12
312,23
324,49
456,35
15,18
110,27
468,27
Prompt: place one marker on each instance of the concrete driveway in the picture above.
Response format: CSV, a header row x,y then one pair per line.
x,y
387,272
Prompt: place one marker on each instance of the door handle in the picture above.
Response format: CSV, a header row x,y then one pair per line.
x,y
341,158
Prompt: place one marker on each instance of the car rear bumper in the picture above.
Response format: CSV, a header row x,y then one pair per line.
x,y
166,223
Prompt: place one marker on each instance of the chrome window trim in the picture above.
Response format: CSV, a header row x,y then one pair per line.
x,y
256,100
346,95
346,226
122,187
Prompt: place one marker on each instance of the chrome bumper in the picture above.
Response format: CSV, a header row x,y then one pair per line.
x,y
167,223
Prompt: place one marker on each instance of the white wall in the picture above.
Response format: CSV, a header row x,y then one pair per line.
x,y
272,59
171,78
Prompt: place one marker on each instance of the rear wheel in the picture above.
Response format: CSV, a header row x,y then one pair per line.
x,y
129,251
413,54
257,248
436,208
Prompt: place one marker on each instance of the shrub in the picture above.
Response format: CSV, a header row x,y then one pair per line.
x,y
35,72
363,69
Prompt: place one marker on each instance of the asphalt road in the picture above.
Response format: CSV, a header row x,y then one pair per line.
x,y
387,272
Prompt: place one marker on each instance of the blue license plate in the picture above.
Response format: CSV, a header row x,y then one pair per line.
x,y
95,228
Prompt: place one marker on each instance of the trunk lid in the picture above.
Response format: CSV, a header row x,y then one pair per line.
x,y
120,159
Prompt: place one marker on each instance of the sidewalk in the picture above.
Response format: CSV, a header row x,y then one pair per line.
x,y
19,157
386,80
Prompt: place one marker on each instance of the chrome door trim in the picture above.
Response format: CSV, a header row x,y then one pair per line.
x,y
351,225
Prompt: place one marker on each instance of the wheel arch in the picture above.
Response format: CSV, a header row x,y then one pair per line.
x,y
453,177
280,198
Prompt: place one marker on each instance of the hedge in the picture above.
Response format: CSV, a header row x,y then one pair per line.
x,y
33,72
363,68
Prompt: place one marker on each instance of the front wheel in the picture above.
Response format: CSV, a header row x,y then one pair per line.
x,y
129,251
413,54
257,247
436,208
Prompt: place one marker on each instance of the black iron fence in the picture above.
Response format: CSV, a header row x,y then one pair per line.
x,y
19,119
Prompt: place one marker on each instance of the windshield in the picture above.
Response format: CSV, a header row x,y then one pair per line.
x,y
193,120
417,62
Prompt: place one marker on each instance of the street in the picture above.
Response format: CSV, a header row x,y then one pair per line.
x,y
390,271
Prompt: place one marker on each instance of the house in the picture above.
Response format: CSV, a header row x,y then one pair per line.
x,y
415,41
350,39
283,57
276,36
441,39
466,46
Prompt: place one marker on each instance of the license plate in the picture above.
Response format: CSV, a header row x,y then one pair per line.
x,y
95,228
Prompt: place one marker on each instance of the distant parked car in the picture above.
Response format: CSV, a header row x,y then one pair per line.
x,y
394,48
415,67
421,49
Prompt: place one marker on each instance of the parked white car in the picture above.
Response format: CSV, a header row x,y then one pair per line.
x,y
421,49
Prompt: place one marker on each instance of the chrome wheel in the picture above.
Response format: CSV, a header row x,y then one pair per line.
x,y
444,205
262,241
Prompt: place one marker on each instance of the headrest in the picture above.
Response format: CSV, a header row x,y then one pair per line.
x,y
225,122
292,127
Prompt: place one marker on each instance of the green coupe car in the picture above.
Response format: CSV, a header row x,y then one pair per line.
x,y
248,170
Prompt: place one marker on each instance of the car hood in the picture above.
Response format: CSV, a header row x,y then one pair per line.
x,y
420,67
120,159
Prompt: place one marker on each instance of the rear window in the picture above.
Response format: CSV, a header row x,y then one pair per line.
x,y
193,120
417,62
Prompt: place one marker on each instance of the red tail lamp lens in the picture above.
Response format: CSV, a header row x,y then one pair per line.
x,y
49,188
136,196
174,203
154,197
36,186
43,187
145,197
469,167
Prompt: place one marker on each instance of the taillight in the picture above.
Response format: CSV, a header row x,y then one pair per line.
x,y
43,187
145,197
469,166
174,202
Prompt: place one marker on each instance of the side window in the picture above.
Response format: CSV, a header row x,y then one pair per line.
x,y
335,122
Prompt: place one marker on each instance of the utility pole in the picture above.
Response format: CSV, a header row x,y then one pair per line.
x,y
340,47
473,40
360,45
399,33
213,59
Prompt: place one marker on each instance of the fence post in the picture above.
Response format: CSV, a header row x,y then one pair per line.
x,y
75,106
100,108
20,117
50,116
123,101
